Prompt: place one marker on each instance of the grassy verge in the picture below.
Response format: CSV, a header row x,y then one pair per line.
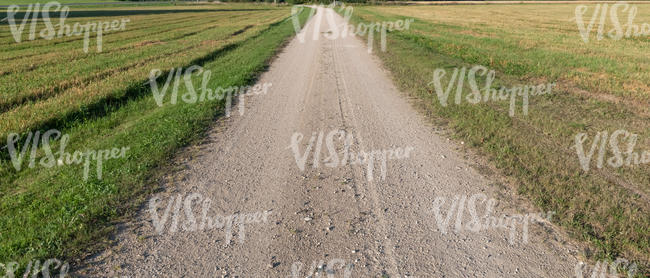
x,y
53,212
606,207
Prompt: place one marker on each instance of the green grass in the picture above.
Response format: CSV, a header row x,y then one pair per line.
x,y
50,79
53,212
118,2
531,44
27,2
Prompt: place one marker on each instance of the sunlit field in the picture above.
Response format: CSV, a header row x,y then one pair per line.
x,y
102,99
602,85
100,90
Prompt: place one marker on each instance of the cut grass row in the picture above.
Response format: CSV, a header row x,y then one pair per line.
x,y
52,212
532,44
63,85
26,2
43,46
56,74
148,19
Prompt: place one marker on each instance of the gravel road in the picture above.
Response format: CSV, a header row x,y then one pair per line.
x,y
331,218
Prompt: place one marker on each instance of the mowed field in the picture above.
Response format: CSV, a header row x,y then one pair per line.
x,y
103,100
602,85
27,2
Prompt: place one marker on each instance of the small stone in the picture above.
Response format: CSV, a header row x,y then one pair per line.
x,y
307,219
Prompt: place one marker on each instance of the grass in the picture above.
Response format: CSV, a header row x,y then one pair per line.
x,y
602,85
27,2
93,2
51,79
101,101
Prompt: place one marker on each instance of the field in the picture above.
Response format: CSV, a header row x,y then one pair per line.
x,y
102,100
27,2
602,85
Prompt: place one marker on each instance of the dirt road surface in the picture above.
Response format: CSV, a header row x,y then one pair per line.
x,y
329,219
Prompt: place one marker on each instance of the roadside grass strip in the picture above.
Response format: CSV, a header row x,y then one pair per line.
x,y
531,44
54,212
